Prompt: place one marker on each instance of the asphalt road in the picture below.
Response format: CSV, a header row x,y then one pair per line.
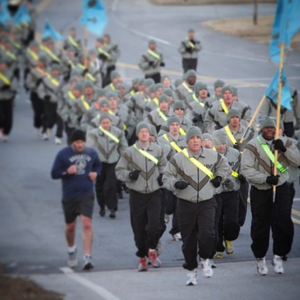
x,y
31,232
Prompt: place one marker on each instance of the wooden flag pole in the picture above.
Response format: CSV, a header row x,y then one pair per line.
x,y
253,118
278,112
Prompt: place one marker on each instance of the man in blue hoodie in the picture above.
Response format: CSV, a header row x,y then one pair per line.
x,y
78,167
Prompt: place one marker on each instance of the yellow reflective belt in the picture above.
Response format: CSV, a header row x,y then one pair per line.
x,y
132,92
196,99
270,154
182,131
124,127
191,44
4,79
157,56
186,87
84,102
198,164
51,54
17,45
146,154
224,106
11,55
71,95
112,87
230,135
73,42
162,115
53,80
33,54
173,144
103,52
110,135
81,66
156,101
235,174
91,77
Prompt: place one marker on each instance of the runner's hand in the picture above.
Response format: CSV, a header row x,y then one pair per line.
x,y
93,175
72,169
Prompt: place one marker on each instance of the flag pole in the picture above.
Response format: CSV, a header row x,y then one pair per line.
x,y
278,112
253,118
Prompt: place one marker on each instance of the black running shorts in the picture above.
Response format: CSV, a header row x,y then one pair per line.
x,y
79,206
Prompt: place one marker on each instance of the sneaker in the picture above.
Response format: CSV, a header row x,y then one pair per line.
x,y
192,277
262,268
167,218
87,262
57,141
177,237
155,261
206,268
102,212
229,247
159,248
112,214
218,255
72,262
277,262
45,137
213,265
143,265
49,132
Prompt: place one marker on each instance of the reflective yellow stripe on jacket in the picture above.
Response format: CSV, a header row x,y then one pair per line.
x,y
230,135
73,42
173,144
110,135
146,154
224,107
155,55
4,79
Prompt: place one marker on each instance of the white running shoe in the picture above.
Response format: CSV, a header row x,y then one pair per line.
x,y
57,141
38,132
177,237
262,268
87,262
277,262
155,261
72,262
192,277
45,137
206,268
167,218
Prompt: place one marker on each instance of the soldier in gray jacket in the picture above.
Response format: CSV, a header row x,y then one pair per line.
x,y
110,143
141,168
189,49
218,85
193,176
186,88
268,210
151,63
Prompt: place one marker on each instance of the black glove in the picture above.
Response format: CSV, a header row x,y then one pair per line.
x,y
193,41
217,127
162,64
102,56
151,63
5,87
189,49
38,82
197,118
228,183
241,178
216,182
159,179
278,145
47,98
84,72
236,146
134,175
181,185
273,180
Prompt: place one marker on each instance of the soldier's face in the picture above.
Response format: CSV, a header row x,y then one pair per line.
x,y
88,91
113,103
194,143
40,65
104,108
179,112
191,80
141,87
159,92
221,148
268,133
77,93
78,145
203,94
144,135
117,80
227,96
106,124
164,106
166,82
174,128
152,47
106,39
71,54
3,67
207,143
234,121
72,33
122,91
191,35
218,90
55,73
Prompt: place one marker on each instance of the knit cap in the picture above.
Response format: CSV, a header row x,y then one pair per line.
x,y
226,88
148,82
77,135
219,83
178,104
103,102
219,137
234,91
88,83
190,73
153,131
104,116
114,74
173,119
233,112
168,92
142,125
163,98
178,82
192,131
78,87
207,136
267,122
151,42
43,59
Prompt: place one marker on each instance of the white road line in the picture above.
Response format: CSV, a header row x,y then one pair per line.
x,y
296,199
101,291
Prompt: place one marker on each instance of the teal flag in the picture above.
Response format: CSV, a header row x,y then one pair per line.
x,y
50,32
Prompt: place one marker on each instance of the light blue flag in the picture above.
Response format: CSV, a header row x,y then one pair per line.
x,y
5,16
94,16
272,91
286,25
50,32
22,16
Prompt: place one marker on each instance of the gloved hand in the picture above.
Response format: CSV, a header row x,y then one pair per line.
x,y
84,72
47,98
273,180
241,178
237,146
181,185
197,118
151,63
297,126
5,87
134,175
216,182
102,56
38,82
217,127
278,145
189,49
228,183
159,179
162,64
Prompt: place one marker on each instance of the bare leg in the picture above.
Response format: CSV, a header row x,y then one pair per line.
x,y
87,234
70,233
